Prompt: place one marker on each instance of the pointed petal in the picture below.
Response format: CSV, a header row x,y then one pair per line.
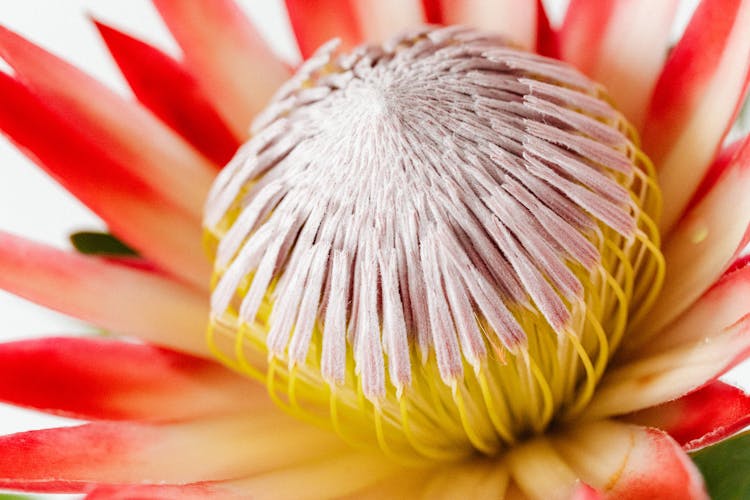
x,y
739,264
433,11
188,452
346,475
651,379
620,44
696,99
227,55
724,304
340,476
479,479
516,19
540,472
630,462
133,211
316,22
116,297
349,475
547,38
585,492
194,491
132,137
165,87
400,486
701,418
514,493
47,486
584,26
723,161
704,242
105,379
381,19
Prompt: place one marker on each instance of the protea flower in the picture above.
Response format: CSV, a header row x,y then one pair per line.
x,y
482,261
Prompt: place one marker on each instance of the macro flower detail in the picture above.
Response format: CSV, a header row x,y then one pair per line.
x,y
457,252
405,201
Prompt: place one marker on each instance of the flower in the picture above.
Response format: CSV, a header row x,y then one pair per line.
x,y
561,352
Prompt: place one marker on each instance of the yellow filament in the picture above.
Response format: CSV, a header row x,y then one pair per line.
x,y
476,440
494,411
589,381
214,348
618,320
239,353
337,428
656,272
378,417
433,453
271,387
546,393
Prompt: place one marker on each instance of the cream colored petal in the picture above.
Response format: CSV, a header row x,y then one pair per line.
x,y
342,475
695,100
130,133
629,461
724,304
540,472
515,19
215,449
621,45
382,19
233,64
702,245
480,479
113,296
655,378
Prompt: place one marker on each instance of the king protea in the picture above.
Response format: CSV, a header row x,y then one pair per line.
x,y
467,253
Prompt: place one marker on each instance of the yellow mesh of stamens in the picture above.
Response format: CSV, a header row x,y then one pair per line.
x,y
511,395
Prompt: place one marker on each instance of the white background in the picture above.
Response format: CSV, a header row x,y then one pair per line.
x,y
33,205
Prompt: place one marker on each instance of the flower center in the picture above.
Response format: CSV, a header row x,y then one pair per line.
x,y
434,244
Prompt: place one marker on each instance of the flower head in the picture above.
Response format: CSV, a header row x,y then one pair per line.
x,y
440,216
438,244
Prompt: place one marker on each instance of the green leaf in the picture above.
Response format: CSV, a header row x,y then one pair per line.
x,y
743,120
13,496
94,243
726,468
